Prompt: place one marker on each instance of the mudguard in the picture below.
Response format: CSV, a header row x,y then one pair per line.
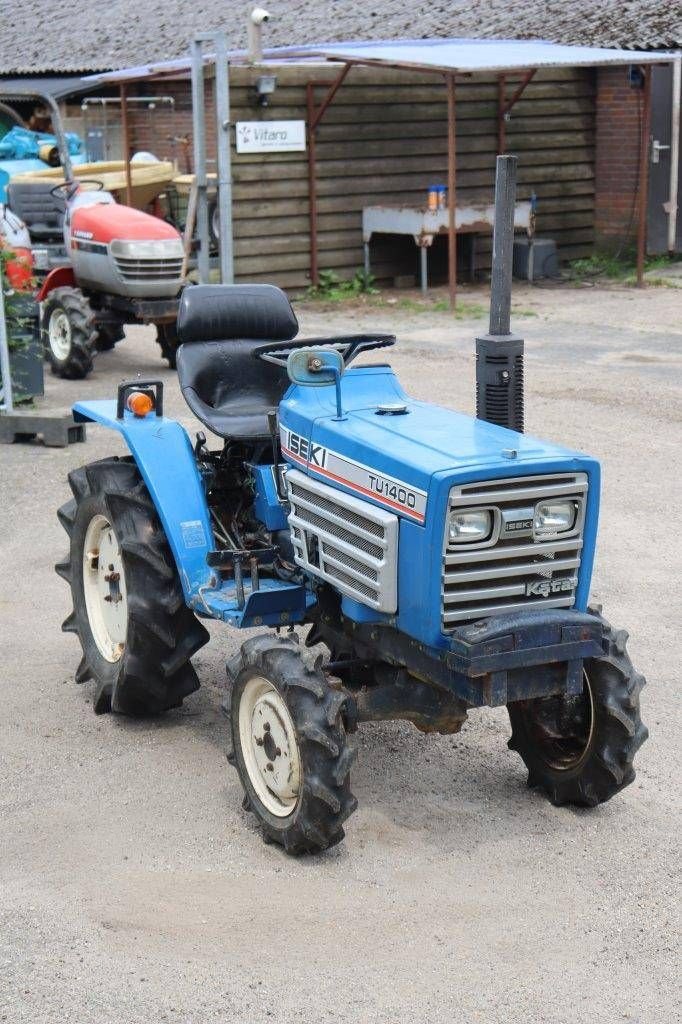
x,y
163,453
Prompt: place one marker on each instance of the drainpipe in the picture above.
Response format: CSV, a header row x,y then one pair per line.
x,y
671,205
254,30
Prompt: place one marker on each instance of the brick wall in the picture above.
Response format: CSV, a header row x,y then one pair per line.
x,y
618,116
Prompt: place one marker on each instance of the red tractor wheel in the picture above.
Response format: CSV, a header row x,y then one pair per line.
x,y
69,333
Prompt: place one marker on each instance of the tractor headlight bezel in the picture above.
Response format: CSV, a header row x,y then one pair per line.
x,y
470,526
556,516
147,249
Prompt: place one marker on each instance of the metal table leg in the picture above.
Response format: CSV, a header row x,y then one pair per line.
x,y
423,268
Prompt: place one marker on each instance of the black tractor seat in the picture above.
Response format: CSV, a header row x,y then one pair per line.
x,y
225,385
41,212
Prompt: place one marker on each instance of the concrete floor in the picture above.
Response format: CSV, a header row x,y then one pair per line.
x,y
133,888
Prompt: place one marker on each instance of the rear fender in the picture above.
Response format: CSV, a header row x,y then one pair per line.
x,y
60,277
163,453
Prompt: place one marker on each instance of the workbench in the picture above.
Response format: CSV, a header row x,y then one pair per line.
x,y
424,225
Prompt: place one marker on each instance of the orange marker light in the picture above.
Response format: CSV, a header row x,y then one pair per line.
x,y
140,403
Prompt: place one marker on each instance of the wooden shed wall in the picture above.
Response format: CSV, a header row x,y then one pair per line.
x,y
384,140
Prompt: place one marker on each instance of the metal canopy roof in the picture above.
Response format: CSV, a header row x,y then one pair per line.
x,y
471,55
27,87
439,55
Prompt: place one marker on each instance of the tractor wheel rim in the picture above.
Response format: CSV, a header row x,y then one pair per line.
x,y
564,739
59,334
106,600
269,747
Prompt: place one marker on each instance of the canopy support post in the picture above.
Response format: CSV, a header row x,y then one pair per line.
x,y
125,128
643,185
452,198
314,118
504,105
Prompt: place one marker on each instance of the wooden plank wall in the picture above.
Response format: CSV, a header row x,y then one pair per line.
x,y
384,140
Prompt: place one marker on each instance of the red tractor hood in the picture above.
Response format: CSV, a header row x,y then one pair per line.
x,y
106,221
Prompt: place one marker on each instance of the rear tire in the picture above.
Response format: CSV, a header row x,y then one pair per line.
x,y
129,613
69,332
167,339
580,750
289,746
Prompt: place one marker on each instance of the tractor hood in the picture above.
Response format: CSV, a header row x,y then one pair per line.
x,y
106,221
379,449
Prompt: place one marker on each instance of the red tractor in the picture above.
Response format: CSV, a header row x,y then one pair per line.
x,y
116,266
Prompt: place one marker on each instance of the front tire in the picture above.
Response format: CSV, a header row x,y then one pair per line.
x,y
129,613
69,332
289,746
580,750
108,335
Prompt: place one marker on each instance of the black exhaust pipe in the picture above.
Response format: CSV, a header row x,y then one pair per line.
x,y
499,354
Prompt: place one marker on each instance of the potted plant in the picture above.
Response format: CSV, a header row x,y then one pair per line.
x,y
23,333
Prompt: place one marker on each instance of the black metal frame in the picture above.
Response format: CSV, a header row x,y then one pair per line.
x,y
128,386
493,662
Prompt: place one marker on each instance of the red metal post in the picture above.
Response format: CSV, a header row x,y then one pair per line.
x,y
505,105
643,189
452,197
312,184
501,123
125,128
314,118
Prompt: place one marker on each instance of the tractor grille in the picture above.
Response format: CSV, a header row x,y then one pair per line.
x,y
512,571
166,268
344,540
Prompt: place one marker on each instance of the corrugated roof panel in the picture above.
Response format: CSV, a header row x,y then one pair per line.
x,y
470,55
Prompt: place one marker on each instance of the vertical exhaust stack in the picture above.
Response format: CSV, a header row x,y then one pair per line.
x,y
499,354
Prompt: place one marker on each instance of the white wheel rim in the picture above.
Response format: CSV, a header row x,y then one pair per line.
x,y
106,600
269,747
59,334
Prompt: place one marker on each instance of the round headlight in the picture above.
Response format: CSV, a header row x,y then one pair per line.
x,y
467,527
554,516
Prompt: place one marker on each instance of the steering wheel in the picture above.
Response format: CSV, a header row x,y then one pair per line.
x,y
349,345
69,188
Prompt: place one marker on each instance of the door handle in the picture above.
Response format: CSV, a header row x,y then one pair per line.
x,y
656,150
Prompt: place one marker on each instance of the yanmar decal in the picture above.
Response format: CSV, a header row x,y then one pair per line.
x,y
387,490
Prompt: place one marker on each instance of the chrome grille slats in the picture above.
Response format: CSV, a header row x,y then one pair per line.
x,y
318,501
479,581
149,269
345,540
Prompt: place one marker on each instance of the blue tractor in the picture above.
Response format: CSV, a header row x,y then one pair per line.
x,y
444,563
441,563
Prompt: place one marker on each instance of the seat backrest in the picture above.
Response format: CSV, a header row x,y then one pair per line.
x,y
224,312
220,327
41,212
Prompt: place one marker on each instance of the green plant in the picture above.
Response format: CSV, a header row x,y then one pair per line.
x,y
331,288
615,268
17,323
20,323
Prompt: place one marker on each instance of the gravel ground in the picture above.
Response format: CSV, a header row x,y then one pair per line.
x,y
133,888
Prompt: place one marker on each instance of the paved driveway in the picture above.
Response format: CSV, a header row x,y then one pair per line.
x,y
133,888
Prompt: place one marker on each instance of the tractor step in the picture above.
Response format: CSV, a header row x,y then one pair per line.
x,y
56,430
271,603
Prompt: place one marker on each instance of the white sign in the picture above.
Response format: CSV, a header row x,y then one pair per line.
x,y
270,136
